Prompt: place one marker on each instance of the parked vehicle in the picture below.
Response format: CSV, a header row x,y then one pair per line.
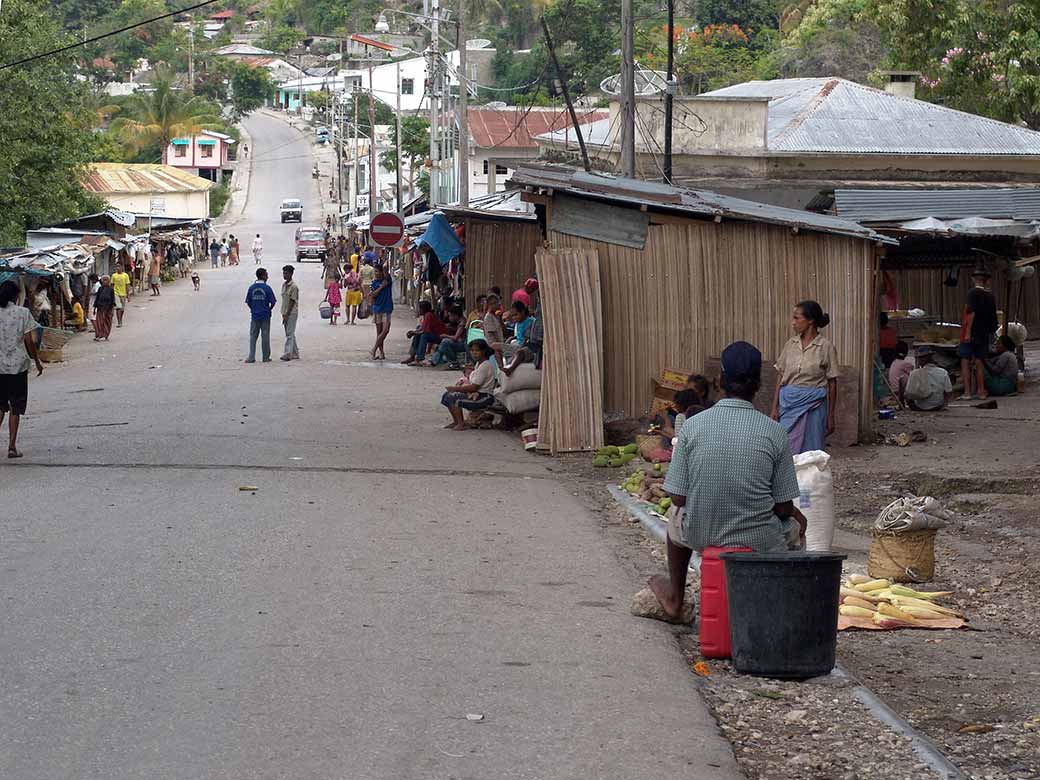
x,y
291,210
322,135
310,244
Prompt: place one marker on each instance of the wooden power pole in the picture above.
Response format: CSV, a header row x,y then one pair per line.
x,y
463,108
669,94
628,92
562,79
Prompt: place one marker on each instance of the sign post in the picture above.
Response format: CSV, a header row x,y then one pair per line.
x,y
386,229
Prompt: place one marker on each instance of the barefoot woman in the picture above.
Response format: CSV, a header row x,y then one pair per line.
x,y
473,392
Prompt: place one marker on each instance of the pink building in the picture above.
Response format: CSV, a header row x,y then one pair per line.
x,y
205,154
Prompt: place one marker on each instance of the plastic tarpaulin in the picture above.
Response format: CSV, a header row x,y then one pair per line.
x,y
441,238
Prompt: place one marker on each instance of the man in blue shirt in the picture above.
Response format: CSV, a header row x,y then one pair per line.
x,y
260,300
382,298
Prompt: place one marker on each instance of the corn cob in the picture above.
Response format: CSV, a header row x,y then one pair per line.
x,y
903,601
902,590
858,579
850,611
895,612
867,587
852,601
925,614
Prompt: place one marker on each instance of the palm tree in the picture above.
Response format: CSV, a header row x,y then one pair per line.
x,y
164,113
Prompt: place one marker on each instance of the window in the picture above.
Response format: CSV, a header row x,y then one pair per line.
x,y
180,150
206,151
407,86
500,170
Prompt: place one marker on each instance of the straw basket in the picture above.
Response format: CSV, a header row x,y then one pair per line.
x,y
903,557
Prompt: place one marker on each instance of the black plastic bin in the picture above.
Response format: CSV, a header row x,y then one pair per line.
x,y
783,612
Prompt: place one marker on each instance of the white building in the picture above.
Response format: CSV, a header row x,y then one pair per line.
x,y
161,190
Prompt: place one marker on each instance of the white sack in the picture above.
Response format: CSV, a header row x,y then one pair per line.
x,y
816,499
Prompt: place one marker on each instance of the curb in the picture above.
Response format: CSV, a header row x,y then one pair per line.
x,y
232,204
923,747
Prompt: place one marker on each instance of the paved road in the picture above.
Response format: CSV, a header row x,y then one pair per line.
x,y
385,579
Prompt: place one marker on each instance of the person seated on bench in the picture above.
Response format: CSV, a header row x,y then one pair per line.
x,y
454,342
472,392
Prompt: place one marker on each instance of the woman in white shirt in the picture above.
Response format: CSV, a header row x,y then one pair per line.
x,y
473,392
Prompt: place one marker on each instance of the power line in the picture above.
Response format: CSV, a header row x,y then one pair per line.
x,y
97,38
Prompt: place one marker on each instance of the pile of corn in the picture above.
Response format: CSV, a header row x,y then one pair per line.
x,y
891,605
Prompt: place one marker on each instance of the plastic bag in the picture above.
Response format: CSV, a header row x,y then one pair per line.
x,y
816,498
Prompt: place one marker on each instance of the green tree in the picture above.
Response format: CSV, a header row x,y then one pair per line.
x,y
45,126
165,113
829,38
415,145
981,56
750,15
250,88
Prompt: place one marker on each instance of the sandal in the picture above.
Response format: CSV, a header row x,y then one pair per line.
x,y
13,453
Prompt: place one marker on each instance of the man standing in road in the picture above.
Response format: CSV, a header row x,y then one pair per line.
x,y
290,312
17,348
258,248
382,300
260,300
121,287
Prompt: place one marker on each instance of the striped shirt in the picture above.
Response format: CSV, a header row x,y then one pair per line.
x,y
733,465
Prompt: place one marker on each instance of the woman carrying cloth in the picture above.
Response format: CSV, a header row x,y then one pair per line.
x,y
807,385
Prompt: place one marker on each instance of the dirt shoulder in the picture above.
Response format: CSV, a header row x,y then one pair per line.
x,y
974,693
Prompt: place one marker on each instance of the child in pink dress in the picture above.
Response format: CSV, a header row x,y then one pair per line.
x,y
332,295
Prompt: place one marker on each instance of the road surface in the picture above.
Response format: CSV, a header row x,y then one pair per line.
x,y
385,580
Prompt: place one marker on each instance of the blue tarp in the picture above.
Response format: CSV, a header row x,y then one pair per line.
x,y
441,238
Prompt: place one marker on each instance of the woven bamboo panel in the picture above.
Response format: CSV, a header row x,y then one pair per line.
x,y
699,286
570,414
499,254
923,288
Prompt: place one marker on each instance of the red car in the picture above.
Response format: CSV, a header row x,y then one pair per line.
x,y
310,244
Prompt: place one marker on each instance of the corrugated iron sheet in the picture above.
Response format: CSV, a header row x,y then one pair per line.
x,y
829,115
900,205
692,202
136,178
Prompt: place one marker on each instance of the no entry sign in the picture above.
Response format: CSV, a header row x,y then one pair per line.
x,y
386,229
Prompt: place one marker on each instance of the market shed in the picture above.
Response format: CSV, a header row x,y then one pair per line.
x,y
943,234
683,273
502,234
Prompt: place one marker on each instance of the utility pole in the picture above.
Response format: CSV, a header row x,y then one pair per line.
x,y
191,53
397,128
628,92
562,79
463,108
373,172
669,94
357,155
434,71
339,111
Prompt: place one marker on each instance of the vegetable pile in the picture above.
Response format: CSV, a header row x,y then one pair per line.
x,y
649,487
880,604
615,456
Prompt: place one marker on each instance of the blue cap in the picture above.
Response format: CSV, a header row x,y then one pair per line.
x,y
741,361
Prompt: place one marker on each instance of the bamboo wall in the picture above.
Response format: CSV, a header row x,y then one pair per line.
x,y
923,288
698,286
499,254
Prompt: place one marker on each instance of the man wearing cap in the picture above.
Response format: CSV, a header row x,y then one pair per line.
x,y
733,477
977,332
928,388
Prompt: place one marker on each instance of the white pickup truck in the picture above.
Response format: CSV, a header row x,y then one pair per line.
x,y
291,209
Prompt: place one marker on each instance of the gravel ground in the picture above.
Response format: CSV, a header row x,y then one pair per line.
x,y
975,693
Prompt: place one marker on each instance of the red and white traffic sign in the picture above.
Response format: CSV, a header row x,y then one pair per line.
x,y
386,229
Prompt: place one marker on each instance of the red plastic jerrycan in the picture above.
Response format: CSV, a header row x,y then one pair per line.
x,y
714,629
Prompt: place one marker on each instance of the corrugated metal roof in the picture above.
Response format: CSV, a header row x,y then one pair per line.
x,y
900,205
138,178
595,134
838,116
517,128
692,202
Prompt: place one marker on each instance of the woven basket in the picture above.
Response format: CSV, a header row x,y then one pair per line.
x,y
905,557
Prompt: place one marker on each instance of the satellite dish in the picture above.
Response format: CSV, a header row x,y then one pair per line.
x,y
496,104
478,43
648,82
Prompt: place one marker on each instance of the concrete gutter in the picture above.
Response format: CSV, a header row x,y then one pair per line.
x,y
657,529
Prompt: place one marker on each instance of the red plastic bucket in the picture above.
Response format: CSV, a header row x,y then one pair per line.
x,y
714,627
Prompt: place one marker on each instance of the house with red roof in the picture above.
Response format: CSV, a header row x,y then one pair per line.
x,y
501,138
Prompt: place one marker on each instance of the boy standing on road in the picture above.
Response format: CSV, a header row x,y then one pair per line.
x,y
290,313
382,299
260,300
258,248
120,286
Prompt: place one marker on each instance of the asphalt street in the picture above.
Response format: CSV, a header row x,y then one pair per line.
x,y
384,580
